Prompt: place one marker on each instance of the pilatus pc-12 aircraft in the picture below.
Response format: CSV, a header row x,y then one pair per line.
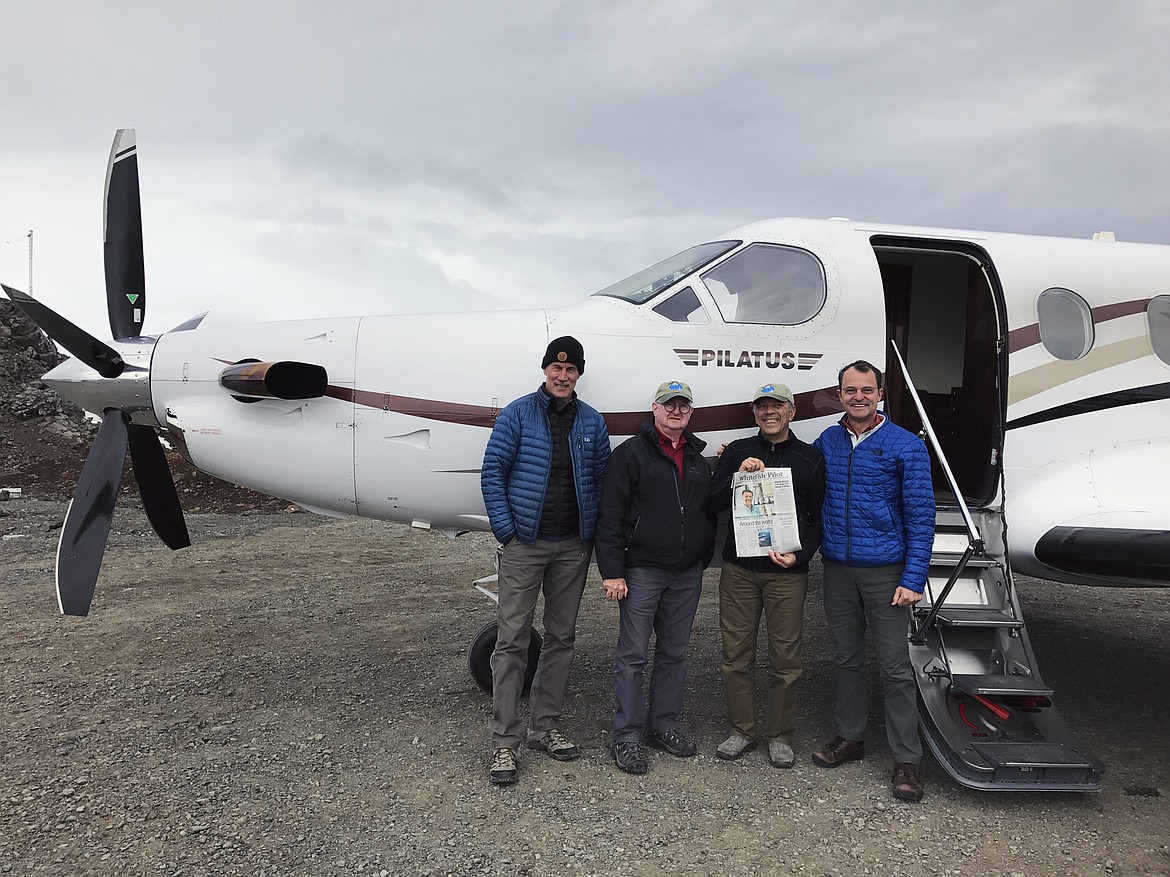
x,y
1037,369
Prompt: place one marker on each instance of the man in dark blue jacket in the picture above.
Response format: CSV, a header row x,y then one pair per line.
x,y
878,533
655,534
541,480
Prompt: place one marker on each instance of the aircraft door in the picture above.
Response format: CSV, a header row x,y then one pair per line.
x,y
942,310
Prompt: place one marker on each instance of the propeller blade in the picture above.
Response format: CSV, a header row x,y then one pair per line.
x,y
160,500
87,522
125,273
98,355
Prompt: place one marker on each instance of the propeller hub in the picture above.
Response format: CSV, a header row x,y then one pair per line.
x,y
129,392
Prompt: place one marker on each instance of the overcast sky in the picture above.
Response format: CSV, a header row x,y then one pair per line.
x,y
312,158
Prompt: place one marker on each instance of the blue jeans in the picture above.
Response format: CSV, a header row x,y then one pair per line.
x,y
663,603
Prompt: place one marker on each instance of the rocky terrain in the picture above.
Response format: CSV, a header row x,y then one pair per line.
x,y
290,696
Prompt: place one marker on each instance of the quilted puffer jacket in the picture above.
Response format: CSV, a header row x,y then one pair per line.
x,y
516,466
879,501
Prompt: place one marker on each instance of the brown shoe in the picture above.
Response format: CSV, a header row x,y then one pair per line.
x,y
838,751
907,782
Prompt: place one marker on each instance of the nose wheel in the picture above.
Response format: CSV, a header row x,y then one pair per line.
x,y
479,657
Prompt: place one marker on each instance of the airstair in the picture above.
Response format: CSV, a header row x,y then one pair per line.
x,y
985,713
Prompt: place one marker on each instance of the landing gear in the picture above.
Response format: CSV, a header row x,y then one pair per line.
x,y
479,657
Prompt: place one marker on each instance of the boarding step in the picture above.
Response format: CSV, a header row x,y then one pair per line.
x,y
1055,763
944,560
958,617
947,542
1035,755
1000,685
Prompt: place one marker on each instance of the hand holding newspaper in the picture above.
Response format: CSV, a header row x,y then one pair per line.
x,y
763,512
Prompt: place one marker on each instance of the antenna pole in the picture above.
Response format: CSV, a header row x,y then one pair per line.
x,y
30,239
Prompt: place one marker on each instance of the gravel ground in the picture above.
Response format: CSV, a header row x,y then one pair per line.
x,y
290,696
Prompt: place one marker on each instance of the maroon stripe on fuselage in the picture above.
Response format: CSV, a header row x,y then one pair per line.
x,y
1026,336
738,415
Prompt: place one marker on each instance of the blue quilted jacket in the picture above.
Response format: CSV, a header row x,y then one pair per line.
x,y
517,461
879,501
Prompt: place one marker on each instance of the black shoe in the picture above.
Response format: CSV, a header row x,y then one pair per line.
x,y
630,756
906,783
838,751
672,741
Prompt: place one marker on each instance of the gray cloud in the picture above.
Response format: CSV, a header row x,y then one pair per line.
x,y
487,154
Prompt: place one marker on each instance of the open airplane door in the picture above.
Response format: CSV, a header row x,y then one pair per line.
x,y
985,712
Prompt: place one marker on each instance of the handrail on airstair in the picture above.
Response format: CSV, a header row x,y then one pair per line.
x,y
975,545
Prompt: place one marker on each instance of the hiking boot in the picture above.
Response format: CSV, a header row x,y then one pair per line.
x,y
780,753
838,751
906,782
734,747
630,756
673,741
503,772
554,743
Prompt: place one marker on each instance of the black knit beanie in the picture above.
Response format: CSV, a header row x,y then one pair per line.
x,y
565,349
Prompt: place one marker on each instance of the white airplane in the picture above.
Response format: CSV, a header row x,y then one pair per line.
x,y
1041,380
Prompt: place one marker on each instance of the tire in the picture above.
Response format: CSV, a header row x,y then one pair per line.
x,y
479,657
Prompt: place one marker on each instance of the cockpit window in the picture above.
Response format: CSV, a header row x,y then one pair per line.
x,y
647,283
1066,323
768,283
683,307
1158,320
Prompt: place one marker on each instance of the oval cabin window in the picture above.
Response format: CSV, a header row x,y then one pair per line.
x,y
1066,323
1158,321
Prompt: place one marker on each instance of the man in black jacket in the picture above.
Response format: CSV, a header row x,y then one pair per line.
x,y
655,534
774,585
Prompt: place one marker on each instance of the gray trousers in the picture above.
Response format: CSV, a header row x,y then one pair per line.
x,y
663,603
857,597
561,568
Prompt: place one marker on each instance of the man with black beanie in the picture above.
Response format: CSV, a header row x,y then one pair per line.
x,y
541,480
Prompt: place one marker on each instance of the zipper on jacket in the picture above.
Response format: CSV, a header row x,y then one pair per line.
x,y
848,502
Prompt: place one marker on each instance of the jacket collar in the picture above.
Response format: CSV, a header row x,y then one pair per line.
x,y
650,432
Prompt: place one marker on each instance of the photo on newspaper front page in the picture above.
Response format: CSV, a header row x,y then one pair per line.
x,y
763,512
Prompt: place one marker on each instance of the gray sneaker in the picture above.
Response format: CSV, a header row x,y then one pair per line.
x,y
734,747
554,743
780,753
503,772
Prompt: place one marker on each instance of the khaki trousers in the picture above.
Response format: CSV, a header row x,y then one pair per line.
x,y
743,597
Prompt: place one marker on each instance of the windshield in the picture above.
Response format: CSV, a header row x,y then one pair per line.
x,y
648,282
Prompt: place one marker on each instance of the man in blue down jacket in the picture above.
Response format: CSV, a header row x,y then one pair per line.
x,y
655,534
878,533
541,480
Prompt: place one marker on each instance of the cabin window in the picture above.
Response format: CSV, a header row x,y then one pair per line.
x,y
1158,320
683,307
767,283
1066,323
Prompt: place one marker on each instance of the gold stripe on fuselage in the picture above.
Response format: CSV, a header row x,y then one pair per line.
x,y
1045,377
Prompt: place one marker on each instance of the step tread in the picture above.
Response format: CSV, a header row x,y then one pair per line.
x,y
1037,754
999,684
958,616
949,561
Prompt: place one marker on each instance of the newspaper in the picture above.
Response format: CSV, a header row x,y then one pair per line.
x,y
763,512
